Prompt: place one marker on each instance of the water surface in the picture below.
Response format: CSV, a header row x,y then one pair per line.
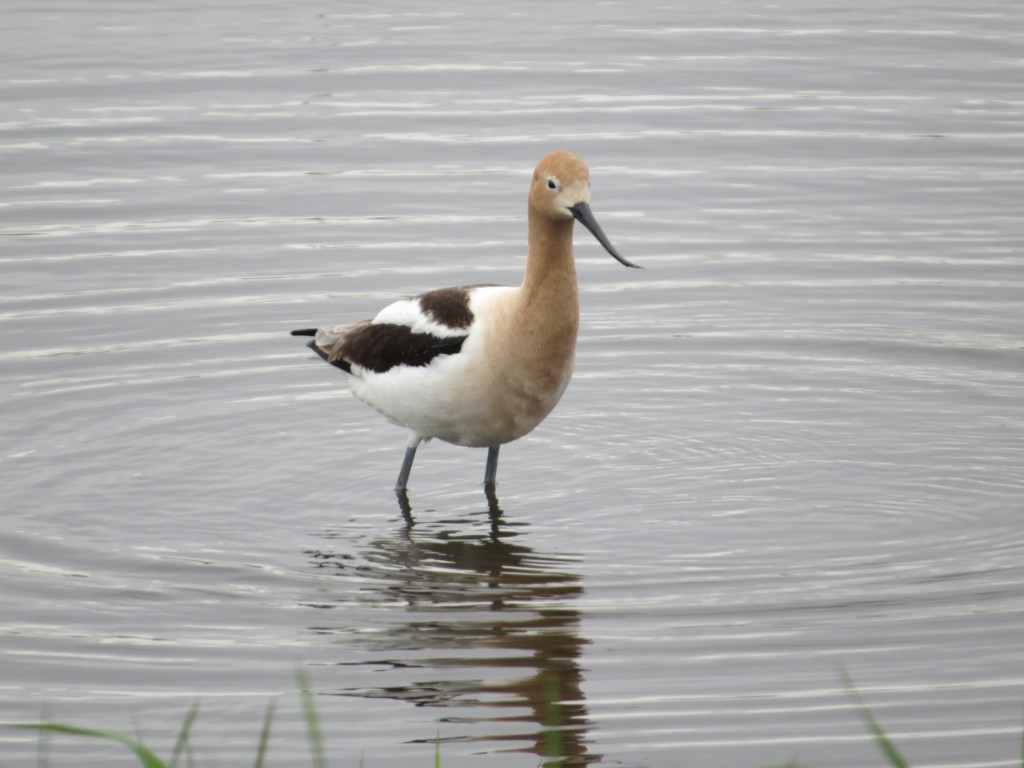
x,y
793,443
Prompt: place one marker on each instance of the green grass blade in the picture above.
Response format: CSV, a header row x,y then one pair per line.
x,y
268,718
553,719
43,750
146,758
186,728
316,739
885,745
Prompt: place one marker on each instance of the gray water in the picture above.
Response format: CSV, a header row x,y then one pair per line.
x,y
794,443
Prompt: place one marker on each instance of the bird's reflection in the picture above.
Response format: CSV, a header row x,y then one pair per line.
x,y
487,626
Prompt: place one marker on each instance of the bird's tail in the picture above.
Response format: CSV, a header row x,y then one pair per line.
x,y
313,345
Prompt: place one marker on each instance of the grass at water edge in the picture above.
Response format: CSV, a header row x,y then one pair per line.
x,y
182,745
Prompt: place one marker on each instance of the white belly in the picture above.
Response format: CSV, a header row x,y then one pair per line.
x,y
462,400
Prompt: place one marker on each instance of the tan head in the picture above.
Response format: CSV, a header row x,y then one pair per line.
x,y
560,181
561,190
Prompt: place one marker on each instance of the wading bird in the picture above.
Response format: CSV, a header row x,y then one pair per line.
x,y
478,365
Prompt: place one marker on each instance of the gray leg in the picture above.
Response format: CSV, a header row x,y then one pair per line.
x,y
410,454
403,475
492,465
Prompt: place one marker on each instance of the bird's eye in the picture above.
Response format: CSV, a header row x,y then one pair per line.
x,y
552,184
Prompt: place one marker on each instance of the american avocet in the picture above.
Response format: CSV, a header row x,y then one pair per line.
x,y
479,365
